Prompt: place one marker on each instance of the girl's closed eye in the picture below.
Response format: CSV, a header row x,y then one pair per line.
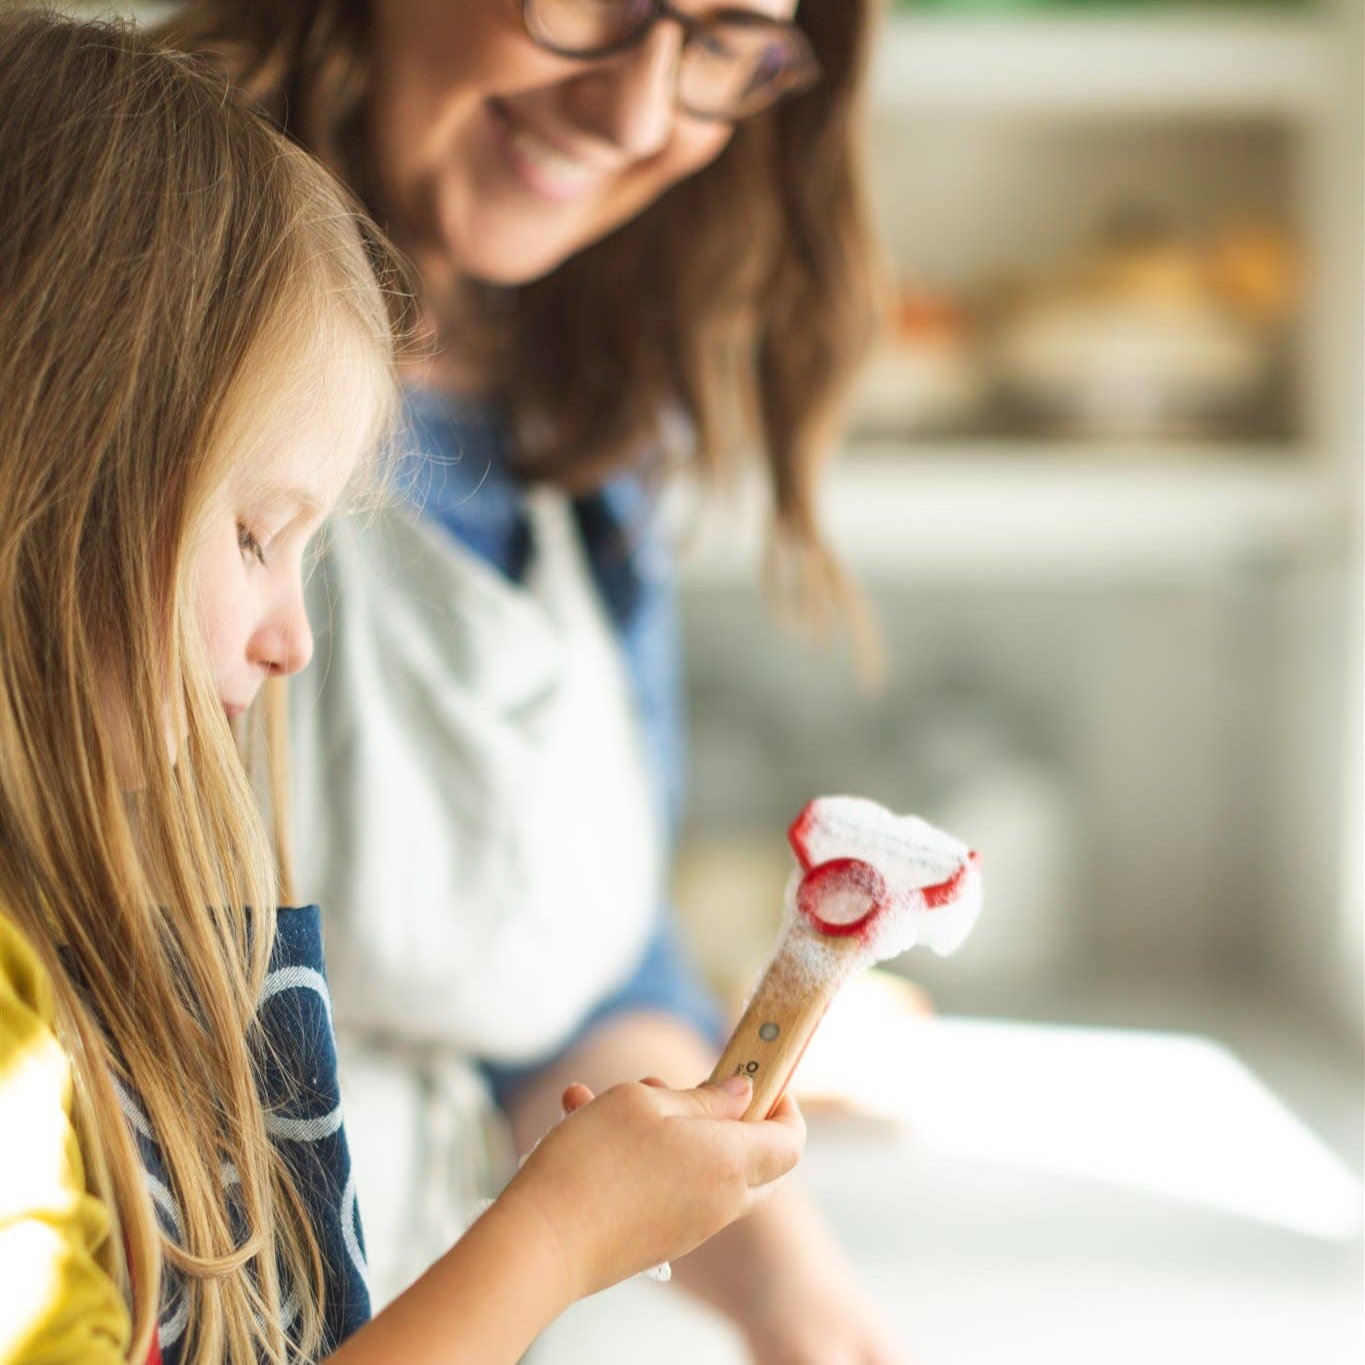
x,y
248,544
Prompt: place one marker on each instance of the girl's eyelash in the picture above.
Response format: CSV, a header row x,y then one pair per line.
x,y
248,544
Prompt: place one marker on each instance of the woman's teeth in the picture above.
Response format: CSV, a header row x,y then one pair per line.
x,y
557,172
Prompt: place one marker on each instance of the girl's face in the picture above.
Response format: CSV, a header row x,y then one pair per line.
x,y
501,159
249,562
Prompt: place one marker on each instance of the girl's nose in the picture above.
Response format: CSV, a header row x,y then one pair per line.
x,y
284,644
629,100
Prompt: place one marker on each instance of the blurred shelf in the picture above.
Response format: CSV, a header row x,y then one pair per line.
x,y
982,514
1200,63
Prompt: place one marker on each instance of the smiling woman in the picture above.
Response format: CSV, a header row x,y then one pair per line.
x,y
642,243
593,317
513,166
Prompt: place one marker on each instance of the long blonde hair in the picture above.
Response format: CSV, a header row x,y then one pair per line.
x,y
760,275
165,256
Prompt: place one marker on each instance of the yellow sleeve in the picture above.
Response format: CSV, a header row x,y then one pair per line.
x,y
56,1304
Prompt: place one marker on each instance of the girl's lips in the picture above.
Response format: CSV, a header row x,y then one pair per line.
x,y
539,164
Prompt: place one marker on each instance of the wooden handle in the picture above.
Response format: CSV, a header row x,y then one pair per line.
x,y
779,1022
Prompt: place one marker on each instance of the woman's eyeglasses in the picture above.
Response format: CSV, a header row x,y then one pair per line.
x,y
733,62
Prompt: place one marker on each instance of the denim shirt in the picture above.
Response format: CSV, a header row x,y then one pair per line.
x,y
456,472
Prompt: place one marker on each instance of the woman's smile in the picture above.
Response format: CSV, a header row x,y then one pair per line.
x,y
500,159
544,165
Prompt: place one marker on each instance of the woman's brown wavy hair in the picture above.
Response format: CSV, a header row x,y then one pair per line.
x,y
744,298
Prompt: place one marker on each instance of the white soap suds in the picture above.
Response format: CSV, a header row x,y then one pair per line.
x,y
906,850
932,885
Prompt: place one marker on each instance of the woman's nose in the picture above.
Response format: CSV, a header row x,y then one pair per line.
x,y
284,644
629,100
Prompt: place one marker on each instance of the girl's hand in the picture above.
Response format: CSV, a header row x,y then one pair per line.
x,y
643,1174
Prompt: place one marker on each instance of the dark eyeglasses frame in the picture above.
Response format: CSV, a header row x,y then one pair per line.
x,y
691,26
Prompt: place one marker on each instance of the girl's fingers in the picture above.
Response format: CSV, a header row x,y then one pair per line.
x,y
789,1113
773,1151
726,1100
773,1146
575,1097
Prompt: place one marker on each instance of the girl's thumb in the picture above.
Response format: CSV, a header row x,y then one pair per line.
x,y
728,1098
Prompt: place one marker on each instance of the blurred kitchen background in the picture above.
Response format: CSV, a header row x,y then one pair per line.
x,y
1103,490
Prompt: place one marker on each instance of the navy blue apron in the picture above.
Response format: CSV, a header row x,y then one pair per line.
x,y
302,1103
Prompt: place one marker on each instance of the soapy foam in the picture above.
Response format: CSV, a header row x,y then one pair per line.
x,y
906,850
931,882
842,896
811,959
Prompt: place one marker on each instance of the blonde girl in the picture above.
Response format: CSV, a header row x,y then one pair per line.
x,y
195,359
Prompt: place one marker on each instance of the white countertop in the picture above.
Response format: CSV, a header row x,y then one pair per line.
x,y
979,1257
